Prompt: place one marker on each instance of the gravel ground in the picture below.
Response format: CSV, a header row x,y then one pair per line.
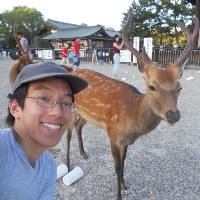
x,y
164,164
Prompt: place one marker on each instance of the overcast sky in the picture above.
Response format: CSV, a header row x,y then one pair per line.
x,y
108,13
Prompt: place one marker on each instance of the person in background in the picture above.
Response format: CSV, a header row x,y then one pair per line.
x,y
40,109
24,42
116,57
76,51
65,54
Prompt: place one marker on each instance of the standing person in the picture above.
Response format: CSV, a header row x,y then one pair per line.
x,y
116,50
40,109
65,54
76,50
23,42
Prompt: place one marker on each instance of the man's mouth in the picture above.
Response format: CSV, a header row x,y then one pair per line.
x,y
51,126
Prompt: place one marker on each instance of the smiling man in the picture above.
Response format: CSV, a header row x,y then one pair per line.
x,y
40,109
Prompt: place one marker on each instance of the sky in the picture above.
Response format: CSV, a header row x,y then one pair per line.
x,y
108,13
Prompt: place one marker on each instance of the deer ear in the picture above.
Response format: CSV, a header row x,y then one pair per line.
x,y
141,67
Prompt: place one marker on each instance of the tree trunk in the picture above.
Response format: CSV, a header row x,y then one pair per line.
x,y
197,14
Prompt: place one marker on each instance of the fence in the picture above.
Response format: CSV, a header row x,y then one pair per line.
x,y
161,56
164,56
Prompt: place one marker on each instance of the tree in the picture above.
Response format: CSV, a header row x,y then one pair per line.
x,y
139,25
110,28
182,11
28,20
156,18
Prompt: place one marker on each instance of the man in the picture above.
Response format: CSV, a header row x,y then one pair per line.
x,y
76,48
40,109
23,42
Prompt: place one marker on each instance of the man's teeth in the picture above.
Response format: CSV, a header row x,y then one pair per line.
x,y
51,126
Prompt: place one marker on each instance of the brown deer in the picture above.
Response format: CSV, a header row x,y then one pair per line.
x,y
23,60
121,110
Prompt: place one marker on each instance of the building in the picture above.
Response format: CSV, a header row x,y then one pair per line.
x,y
91,36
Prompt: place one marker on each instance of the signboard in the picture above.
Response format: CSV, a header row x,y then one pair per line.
x,y
39,53
4,54
148,43
45,54
125,56
136,45
81,54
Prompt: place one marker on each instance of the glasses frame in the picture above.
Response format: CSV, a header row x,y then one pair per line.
x,y
55,103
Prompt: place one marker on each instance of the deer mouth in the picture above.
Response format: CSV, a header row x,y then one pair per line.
x,y
173,116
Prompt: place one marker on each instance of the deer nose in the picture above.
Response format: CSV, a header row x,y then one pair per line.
x,y
173,116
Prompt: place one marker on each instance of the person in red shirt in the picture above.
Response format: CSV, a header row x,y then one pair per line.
x,y
76,48
116,50
65,54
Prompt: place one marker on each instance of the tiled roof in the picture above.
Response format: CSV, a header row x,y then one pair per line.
x,y
81,31
112,33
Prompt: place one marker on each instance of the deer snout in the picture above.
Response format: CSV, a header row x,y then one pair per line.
x,y
173,116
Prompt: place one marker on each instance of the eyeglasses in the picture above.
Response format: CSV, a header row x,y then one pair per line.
x,y
50,102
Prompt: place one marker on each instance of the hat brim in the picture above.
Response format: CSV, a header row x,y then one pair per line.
x,y
77,83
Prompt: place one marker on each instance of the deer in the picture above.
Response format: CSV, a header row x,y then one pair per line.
x,y
122,110
23,60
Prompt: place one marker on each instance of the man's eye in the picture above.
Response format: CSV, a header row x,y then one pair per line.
x,y
44,98
65,103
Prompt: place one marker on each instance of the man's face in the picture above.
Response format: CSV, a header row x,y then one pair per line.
x,y
44,126
19,36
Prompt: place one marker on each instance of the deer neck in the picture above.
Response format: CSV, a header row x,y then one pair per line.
x,y
147,118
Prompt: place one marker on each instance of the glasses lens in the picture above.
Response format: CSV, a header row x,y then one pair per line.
x,y
46,102
69,107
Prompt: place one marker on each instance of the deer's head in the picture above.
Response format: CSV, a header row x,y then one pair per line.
x,y
162,85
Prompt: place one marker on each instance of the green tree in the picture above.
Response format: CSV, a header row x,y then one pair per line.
x,y
139,26
156,18
27,20
182,11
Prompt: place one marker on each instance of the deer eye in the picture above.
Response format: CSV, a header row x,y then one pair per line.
x,y
151,88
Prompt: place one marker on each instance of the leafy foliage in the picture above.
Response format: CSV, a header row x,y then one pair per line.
x,y
29,21
156,18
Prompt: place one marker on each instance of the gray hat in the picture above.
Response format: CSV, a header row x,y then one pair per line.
x,y
38,71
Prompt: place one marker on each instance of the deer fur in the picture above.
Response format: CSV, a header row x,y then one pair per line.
x,y
121,110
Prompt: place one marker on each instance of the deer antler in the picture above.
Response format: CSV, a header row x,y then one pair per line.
x,y
189,46
143,58
22,62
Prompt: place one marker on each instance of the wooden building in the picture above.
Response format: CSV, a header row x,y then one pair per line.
x,y
91,36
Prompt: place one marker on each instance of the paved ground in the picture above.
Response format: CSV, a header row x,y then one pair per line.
x,y
164,164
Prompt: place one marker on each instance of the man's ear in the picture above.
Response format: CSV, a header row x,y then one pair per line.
x,y
14,108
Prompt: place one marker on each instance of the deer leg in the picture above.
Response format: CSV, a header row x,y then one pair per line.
x,y
78,126
68,139
123,156
118,167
